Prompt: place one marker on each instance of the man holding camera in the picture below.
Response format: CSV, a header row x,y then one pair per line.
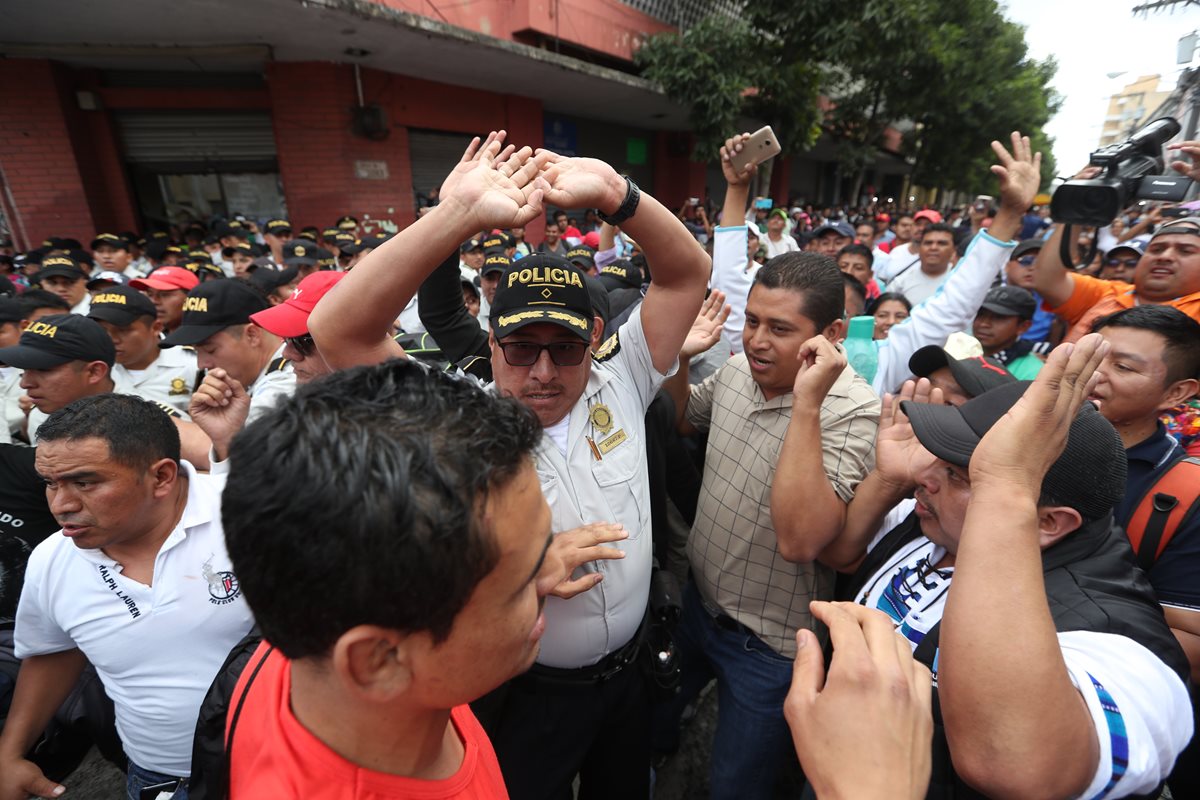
x,y
1168,272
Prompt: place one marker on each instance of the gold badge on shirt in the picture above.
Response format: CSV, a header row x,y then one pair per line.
x,y
178,386
601,418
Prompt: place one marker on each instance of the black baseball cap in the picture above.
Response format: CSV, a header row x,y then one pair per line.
x,y
10,310
1010,301
110,240
58,338
347,223
212,307
158,249
469,245
1089,476
620,274
59,266
497,241
840,227
1027,246
279,227
120,305
368,242
974,375
309,234
495,261
269,279
583,257
302,251
542,288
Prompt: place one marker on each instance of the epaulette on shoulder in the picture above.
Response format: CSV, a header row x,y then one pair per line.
x,y
610,347
276,365
476,366
168,410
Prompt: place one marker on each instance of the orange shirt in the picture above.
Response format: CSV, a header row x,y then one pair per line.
x,y
1093,298
275,756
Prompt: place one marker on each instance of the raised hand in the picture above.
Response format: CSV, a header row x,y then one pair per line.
x,y
820,365
875,692
496,186
1020,448
219,407
1020,173
706,330
734,177
572,549
581,182
1191,149
897,451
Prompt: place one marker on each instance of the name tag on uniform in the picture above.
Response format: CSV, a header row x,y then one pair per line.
x,y
608,444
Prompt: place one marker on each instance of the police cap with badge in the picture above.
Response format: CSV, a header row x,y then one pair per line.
x,y
57,339
583,257
621,274
495,261
59,267
542,288
212,307
301,252
121,305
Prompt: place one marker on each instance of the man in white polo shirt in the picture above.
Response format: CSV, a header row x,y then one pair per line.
x,y
139,584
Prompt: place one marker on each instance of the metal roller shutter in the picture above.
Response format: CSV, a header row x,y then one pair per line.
x,y
211,139
433,155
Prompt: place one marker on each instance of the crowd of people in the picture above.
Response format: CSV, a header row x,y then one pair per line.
x,y
452,514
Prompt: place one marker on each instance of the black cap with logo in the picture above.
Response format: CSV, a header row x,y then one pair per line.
x,y
109,240
58,338
542,288
621,274
278,227
1089,476
495,261
299,252
583,257
974,375
120,305
212,307
60,267
497,241
10,310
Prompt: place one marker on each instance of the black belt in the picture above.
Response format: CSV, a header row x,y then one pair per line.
x,y
601,671
730,624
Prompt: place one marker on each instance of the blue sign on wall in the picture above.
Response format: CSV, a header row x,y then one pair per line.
x,y
560,135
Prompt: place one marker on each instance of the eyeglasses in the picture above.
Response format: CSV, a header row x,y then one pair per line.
x,y
526,354
304,345
1122,262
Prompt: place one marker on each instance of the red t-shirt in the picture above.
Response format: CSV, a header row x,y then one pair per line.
x,y
275,756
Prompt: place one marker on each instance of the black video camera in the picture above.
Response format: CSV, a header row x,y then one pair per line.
x,y
1131,172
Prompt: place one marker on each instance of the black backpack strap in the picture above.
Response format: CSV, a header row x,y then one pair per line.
x,y
237,712
1147,552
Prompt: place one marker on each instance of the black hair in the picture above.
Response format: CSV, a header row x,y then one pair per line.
x,y
33,299
815,276
1181,333
902,215
857,287
360,501
856,249
137,431
885,297
938,227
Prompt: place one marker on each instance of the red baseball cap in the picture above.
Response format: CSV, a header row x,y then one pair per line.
x,y
166,279
928,214
592,240
289,319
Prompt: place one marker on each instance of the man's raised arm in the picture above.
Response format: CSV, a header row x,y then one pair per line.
x,y
679,263
490,187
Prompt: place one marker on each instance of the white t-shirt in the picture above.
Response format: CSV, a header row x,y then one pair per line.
x,y
156,648
558,433
786,244
917,286
1139,706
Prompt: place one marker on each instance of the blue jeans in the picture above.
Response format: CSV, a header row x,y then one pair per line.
x,y
752,738
137,779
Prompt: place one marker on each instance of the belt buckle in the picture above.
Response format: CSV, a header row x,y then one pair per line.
x,y
622,661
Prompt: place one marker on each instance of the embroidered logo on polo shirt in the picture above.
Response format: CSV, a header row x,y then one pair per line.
x,y
223,587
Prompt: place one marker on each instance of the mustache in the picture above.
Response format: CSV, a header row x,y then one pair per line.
x,y
923,499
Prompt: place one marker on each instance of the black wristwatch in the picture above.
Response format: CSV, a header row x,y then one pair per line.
x,y
628,208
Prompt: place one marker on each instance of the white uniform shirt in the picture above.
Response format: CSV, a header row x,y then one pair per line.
x,y
168,380
10,394
272,383
582,489
1134,699
156,648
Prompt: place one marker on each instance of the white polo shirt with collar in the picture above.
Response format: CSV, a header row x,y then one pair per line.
x,y
156,648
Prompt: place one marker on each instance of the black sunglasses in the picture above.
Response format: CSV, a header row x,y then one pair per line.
x,y
1125,262
526,354
304,345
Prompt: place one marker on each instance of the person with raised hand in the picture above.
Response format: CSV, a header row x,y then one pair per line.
x,y
1055,672
591,458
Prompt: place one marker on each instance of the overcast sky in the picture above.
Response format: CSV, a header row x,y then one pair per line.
x,y
1091,39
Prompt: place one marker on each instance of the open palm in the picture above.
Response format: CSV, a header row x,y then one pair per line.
x,y
897,451
498,185
578,182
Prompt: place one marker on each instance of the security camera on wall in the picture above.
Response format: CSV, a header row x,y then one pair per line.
x,y
370,122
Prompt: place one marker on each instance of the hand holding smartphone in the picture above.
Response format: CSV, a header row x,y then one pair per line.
x,y
761,146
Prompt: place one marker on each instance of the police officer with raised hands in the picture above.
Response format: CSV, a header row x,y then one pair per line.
x,y
583,708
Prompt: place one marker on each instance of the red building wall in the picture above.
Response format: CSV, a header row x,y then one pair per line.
x,y
40,166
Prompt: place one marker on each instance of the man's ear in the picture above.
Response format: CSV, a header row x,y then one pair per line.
x,y
96,371
374,662
1179,392
1055,522
164,473
253,334
597,333
836,331
1024,326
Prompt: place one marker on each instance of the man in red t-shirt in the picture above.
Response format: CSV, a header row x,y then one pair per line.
x,y
387,527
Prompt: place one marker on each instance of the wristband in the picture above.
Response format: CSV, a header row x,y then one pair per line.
x,y
628,208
